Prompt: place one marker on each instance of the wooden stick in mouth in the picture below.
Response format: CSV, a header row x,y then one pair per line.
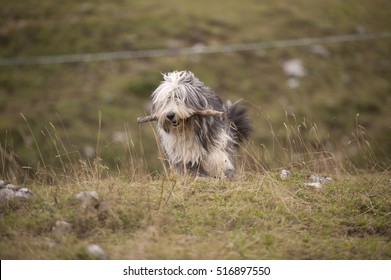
x,y
206,112
146,119
210,112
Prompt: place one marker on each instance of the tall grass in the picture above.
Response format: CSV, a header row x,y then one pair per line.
x,y
296,144
302,146
143,213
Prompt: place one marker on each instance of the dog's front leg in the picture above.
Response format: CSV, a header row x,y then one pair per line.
x,y
179,168
219,165
230,173
196,170
190,169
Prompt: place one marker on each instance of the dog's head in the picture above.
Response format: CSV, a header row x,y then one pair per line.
x,y
179,97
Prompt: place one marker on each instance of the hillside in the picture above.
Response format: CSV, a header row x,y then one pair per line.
x,y
317,109
65,101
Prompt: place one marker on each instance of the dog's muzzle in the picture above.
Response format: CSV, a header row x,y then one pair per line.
x,y
171,117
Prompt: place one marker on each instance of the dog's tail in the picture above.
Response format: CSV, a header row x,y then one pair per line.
x,y
240,127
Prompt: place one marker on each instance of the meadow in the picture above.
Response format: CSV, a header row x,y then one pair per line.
x,y
68,128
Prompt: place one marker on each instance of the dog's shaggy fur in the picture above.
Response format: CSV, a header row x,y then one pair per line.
x,y
199,133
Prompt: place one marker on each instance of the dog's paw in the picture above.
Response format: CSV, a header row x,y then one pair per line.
x,y
229,174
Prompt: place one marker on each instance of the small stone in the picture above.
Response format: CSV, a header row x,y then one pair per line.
x,y
61,227
295,68
11,191
89,200
6,194
12,187
285,174
320,179
96,252
316,185
24,192
87,195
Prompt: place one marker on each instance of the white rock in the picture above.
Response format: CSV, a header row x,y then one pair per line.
x,y
11,191
87,195
6,194
24,192
89,200
294,67
316,185
96,252
285,174
61,227
320,179
12,187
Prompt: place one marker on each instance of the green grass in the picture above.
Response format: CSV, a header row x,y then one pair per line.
x,y
182,218
336,123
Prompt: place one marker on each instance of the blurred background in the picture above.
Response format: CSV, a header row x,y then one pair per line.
x,y
331,96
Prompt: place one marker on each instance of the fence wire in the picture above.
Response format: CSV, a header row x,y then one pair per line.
x,y
195,50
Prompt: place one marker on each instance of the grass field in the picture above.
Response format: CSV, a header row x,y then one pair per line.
x,y
66,128
261,217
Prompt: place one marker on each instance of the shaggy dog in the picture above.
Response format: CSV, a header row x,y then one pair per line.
x,y
198,132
